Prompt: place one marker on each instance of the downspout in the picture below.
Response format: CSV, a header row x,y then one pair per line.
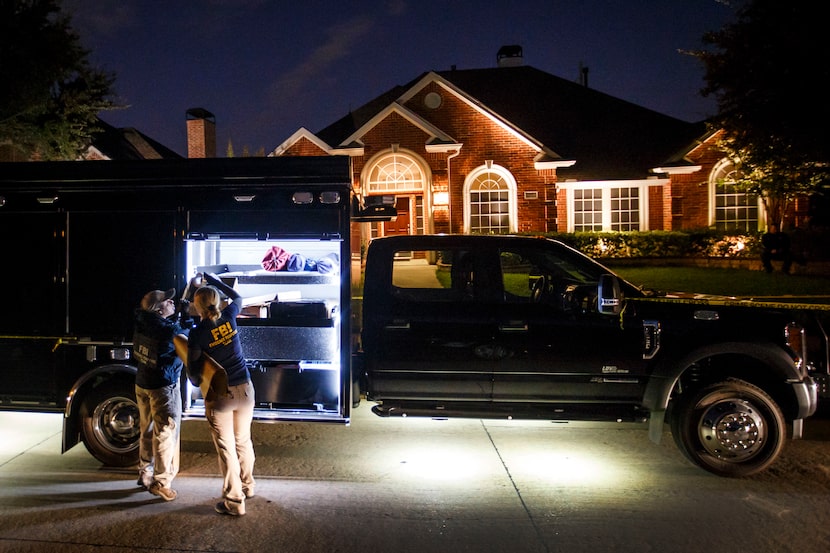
x,y
449,187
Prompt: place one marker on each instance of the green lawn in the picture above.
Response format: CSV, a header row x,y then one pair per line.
x,y
730,282
727,282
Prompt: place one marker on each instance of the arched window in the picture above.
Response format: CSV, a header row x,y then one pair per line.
x,y
406,176
395,173
732,207
490,201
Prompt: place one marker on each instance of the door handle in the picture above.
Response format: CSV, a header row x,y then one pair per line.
x,y
513,326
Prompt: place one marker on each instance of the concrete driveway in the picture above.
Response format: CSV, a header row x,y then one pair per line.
x,y
417,485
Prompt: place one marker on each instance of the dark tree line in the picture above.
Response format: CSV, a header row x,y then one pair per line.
x,y
50,95
767,71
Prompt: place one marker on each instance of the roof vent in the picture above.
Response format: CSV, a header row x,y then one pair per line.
x,y
510,56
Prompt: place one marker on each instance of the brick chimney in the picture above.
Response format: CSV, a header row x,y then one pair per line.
x,y
201,133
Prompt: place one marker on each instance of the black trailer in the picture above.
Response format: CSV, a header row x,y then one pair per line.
x,y
82,242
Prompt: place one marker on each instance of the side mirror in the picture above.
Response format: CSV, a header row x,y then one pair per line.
x,y
609,295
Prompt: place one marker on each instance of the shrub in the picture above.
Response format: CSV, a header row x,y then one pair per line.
x,y
693,243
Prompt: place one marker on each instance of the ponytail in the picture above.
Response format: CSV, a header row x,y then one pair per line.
x,y
207,302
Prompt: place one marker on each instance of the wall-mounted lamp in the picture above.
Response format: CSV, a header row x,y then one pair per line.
x,y
441,198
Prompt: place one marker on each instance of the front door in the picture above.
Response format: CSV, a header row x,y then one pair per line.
x,y
401,223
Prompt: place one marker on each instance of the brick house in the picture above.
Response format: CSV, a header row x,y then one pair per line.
x,y
515,149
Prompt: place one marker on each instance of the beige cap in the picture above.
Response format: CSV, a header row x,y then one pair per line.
x,y
152,300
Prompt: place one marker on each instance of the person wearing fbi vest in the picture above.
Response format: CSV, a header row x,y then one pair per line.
x,y
157,392
229,412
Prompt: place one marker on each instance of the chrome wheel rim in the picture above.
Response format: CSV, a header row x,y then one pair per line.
x,y
732,430
115,424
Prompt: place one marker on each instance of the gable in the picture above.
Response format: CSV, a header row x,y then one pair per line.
x,y
401,116
301,143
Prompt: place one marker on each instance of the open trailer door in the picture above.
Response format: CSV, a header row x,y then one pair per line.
x,y
285,250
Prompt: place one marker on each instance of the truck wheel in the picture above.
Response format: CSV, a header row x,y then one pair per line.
x,y
731,428
109,424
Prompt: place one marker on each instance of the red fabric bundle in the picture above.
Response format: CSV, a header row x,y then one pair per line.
x,y
275,259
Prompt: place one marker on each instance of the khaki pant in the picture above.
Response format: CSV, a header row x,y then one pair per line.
x,y
160,417
230,424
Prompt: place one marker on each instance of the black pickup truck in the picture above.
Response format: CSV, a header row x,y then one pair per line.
x,y
521,327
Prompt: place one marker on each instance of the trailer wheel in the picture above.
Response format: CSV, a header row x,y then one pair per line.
x,y
110,424
730,428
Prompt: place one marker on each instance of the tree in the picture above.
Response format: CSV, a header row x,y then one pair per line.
x,y
766,71
50,95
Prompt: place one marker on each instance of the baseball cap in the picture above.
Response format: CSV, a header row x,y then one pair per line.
x,y
152,300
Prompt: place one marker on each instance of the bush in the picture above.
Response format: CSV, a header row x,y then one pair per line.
x,y
694,243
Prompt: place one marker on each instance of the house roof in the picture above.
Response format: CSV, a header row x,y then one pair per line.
x,y
128,144
608,138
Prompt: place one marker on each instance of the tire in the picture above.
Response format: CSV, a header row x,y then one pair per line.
x,y
730,428
110,424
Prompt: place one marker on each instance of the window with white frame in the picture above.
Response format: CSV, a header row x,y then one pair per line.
x,y
395,173
587,210
594,208
732,207
490,201
625,208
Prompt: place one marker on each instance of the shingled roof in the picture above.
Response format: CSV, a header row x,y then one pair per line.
x,y
609,138
128,144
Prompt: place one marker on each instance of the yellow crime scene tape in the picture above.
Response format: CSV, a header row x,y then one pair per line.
x,y
744,302
59,340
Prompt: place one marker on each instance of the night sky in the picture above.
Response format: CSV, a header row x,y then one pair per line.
x,y
266,68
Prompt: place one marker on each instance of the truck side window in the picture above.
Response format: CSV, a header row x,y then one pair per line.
x,y
446,275
519,274
420,276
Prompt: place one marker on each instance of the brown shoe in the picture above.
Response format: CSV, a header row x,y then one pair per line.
x,y
167,494
228,507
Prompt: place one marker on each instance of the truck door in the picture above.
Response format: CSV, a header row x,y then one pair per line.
x,y
430,340
558,347
33,303
129,251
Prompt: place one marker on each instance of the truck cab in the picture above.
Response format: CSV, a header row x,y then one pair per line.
x,y
522,327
